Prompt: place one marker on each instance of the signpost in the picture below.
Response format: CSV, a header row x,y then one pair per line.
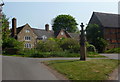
x,y
82,44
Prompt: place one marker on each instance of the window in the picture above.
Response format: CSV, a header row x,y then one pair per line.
x,y
27,38
27,31
28,45
44,37
62,33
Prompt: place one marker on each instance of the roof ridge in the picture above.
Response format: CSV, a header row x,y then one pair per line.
x,y
107,13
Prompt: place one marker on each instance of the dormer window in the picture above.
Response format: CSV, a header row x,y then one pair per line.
x,y
44,37
62,33
27,38
27,31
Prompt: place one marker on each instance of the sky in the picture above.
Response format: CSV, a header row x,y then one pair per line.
x,y
37,14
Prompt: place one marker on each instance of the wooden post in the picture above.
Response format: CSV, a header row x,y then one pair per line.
x,y
82,44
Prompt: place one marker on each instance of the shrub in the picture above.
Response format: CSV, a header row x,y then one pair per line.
x,y
114,50
12,46
48,46
90,47
70,45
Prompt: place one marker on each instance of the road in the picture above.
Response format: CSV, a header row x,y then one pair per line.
x,y
112,56
20,68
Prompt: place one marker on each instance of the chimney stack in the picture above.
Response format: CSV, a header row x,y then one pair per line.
x,y
14,24
47,27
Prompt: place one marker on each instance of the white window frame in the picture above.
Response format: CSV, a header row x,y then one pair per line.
x,y
27,38
28,45
62,33
27,30
44,37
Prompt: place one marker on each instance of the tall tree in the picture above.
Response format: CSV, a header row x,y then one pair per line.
x,y
66,22
95,36
9,44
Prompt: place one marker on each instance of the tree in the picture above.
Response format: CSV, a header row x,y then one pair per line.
x,y
5,27
9,44
95,37
66,22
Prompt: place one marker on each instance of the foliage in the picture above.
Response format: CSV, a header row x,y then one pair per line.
x,y
90,47
70,45
38,54
95,37
48,46
66,22
113,50
9,45
12,46
4,31
84,70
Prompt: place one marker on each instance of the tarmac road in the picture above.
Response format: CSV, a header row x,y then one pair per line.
x,y
17,68
20,68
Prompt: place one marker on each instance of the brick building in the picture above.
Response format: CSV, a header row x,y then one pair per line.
x,y
30,36
110,26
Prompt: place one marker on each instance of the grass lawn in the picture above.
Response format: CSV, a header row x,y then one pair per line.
x,y
94,69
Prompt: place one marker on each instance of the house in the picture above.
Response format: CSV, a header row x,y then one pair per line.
x,y
31,36
110,26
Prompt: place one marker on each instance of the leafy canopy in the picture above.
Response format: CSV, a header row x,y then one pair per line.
x,y
66,22
95,36
7,42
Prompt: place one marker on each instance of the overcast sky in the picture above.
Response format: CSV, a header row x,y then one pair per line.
x,y
37,14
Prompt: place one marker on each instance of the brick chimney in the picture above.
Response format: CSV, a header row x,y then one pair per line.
x,y
14,23
47,27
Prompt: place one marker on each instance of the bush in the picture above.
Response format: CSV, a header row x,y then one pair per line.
x,y
12,46
114,50
70,45
90,47
48,46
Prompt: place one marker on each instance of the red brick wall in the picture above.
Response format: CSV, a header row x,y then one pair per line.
x,y
112,35
62,36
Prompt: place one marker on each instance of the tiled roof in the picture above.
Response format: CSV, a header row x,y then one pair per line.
x,y
108,20
75,35
41,32
20,28
48,34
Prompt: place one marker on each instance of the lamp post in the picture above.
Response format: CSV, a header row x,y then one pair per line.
x,y
82,44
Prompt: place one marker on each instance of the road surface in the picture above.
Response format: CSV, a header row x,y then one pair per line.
x,y
20,68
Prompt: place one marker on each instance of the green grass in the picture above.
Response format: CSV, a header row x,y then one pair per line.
x,y
113,50
12,55
57,54
94,69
